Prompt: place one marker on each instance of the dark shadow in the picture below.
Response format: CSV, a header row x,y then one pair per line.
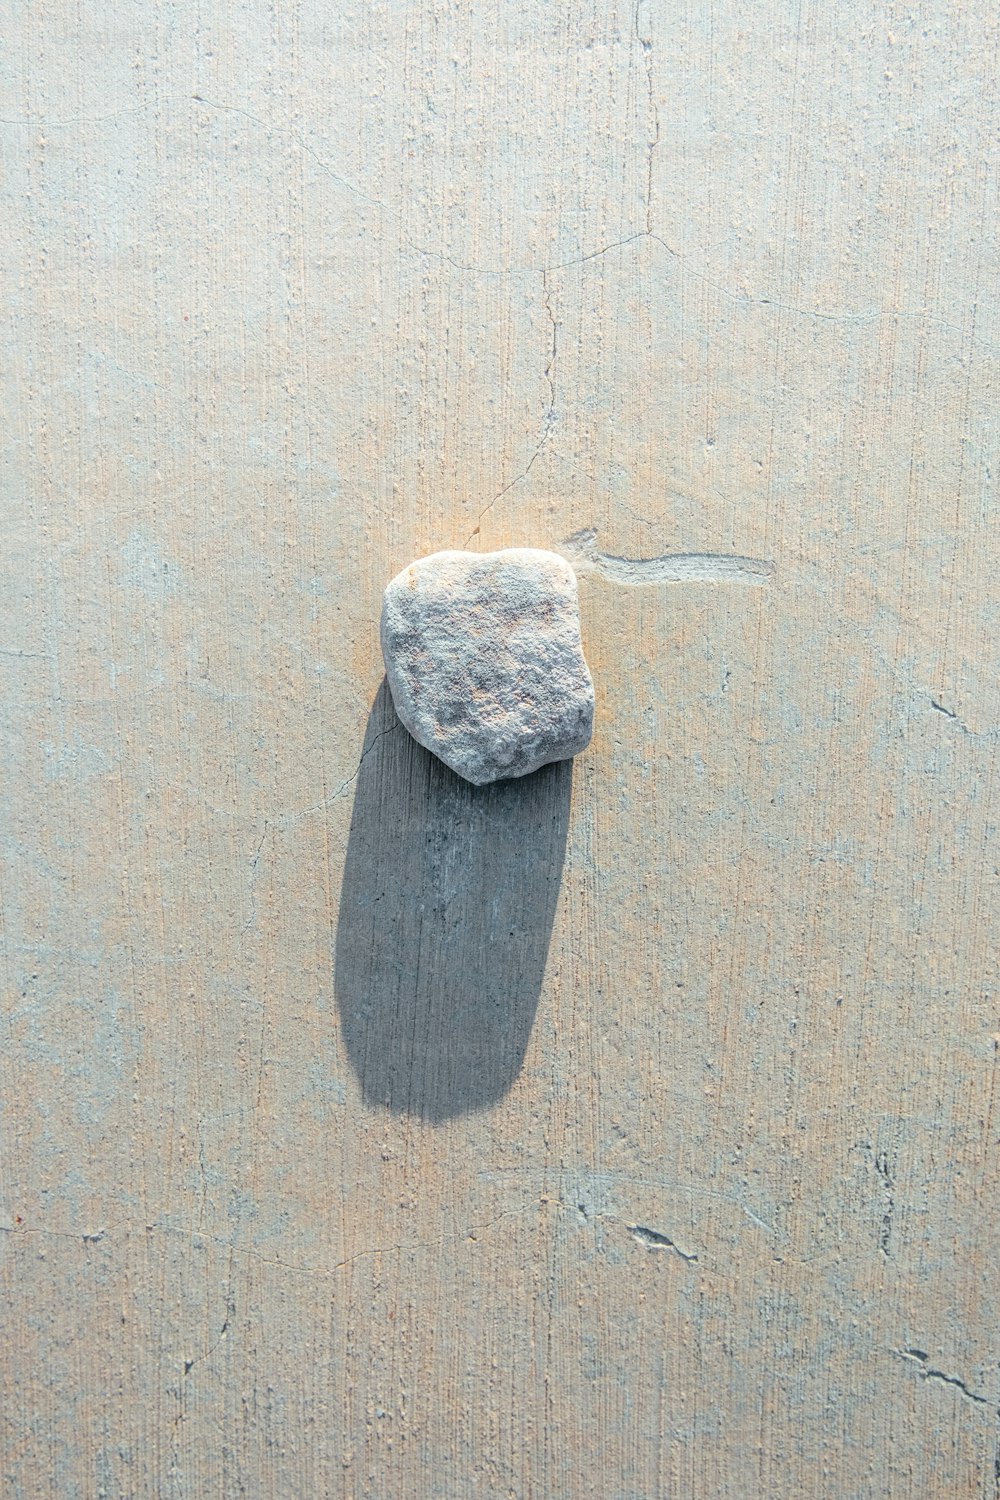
x,y
446,911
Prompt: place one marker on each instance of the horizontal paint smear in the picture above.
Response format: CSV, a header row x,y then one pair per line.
x,y
670,567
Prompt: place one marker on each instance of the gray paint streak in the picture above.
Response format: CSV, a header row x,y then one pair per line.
x,y
671,567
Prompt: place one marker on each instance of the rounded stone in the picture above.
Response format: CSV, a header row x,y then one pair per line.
x,y
485,662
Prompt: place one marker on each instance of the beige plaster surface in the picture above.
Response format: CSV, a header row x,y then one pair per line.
x,y
630,1134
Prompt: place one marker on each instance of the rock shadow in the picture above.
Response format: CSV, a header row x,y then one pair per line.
x,y
446,911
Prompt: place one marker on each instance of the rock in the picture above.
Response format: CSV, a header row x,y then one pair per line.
x,y
484,660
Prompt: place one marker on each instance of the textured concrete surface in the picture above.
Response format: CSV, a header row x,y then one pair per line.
x,y
294,293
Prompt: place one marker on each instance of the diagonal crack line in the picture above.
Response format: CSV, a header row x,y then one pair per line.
x,y
41,123
301,142
548,417
300,812
364,756
739,297
88,1237
354,188
196,1359
920,1357
960,724
471,1233
252,916
342,788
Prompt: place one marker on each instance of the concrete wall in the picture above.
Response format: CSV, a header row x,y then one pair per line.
x,y
625,1133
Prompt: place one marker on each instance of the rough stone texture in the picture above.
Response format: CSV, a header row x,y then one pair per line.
x,y
294,291
485,662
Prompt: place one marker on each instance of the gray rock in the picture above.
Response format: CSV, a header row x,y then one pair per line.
x,y
484,660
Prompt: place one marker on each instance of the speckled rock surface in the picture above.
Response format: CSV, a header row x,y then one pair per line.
x,y
485,662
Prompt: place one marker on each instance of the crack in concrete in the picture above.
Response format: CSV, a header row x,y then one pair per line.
x,y
646,44
653,1239
920,1358
548,418
292,816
